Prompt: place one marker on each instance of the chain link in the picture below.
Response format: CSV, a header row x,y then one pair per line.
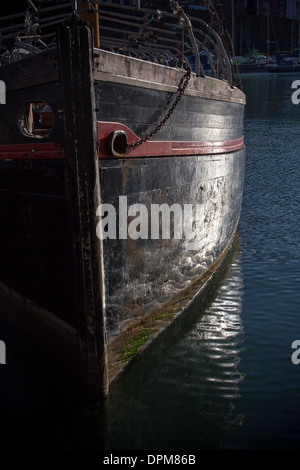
x,y
181,89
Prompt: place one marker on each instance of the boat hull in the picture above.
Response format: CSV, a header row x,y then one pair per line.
x,y
116,285
146,280
283,68
145,276
141,274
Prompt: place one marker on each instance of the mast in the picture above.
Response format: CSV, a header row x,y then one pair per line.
x,y
232,23
268,29
298,45
293,24
89,14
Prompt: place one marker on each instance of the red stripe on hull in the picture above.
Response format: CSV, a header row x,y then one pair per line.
x,y
55,150
34,151
161,148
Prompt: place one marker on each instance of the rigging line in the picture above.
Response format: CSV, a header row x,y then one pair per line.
x,y
37,66
274,31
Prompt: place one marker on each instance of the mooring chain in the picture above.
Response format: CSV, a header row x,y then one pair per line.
x,y
181,89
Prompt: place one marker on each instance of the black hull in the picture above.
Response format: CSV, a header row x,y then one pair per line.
x,y
141,109
144,277
141,276
106,292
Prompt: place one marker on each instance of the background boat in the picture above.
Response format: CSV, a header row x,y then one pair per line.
x,y
285,62
254,61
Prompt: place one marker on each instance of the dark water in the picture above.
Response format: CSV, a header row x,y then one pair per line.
x,y
222,376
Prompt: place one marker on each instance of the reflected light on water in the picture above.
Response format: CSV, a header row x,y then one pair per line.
x,y
179,394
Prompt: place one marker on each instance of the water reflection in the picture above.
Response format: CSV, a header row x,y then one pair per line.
x,y
180,393
271,267
183,393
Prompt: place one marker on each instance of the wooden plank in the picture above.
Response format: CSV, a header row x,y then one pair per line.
x,y
76,65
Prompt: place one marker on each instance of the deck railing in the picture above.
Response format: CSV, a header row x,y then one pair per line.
x,y
165,37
